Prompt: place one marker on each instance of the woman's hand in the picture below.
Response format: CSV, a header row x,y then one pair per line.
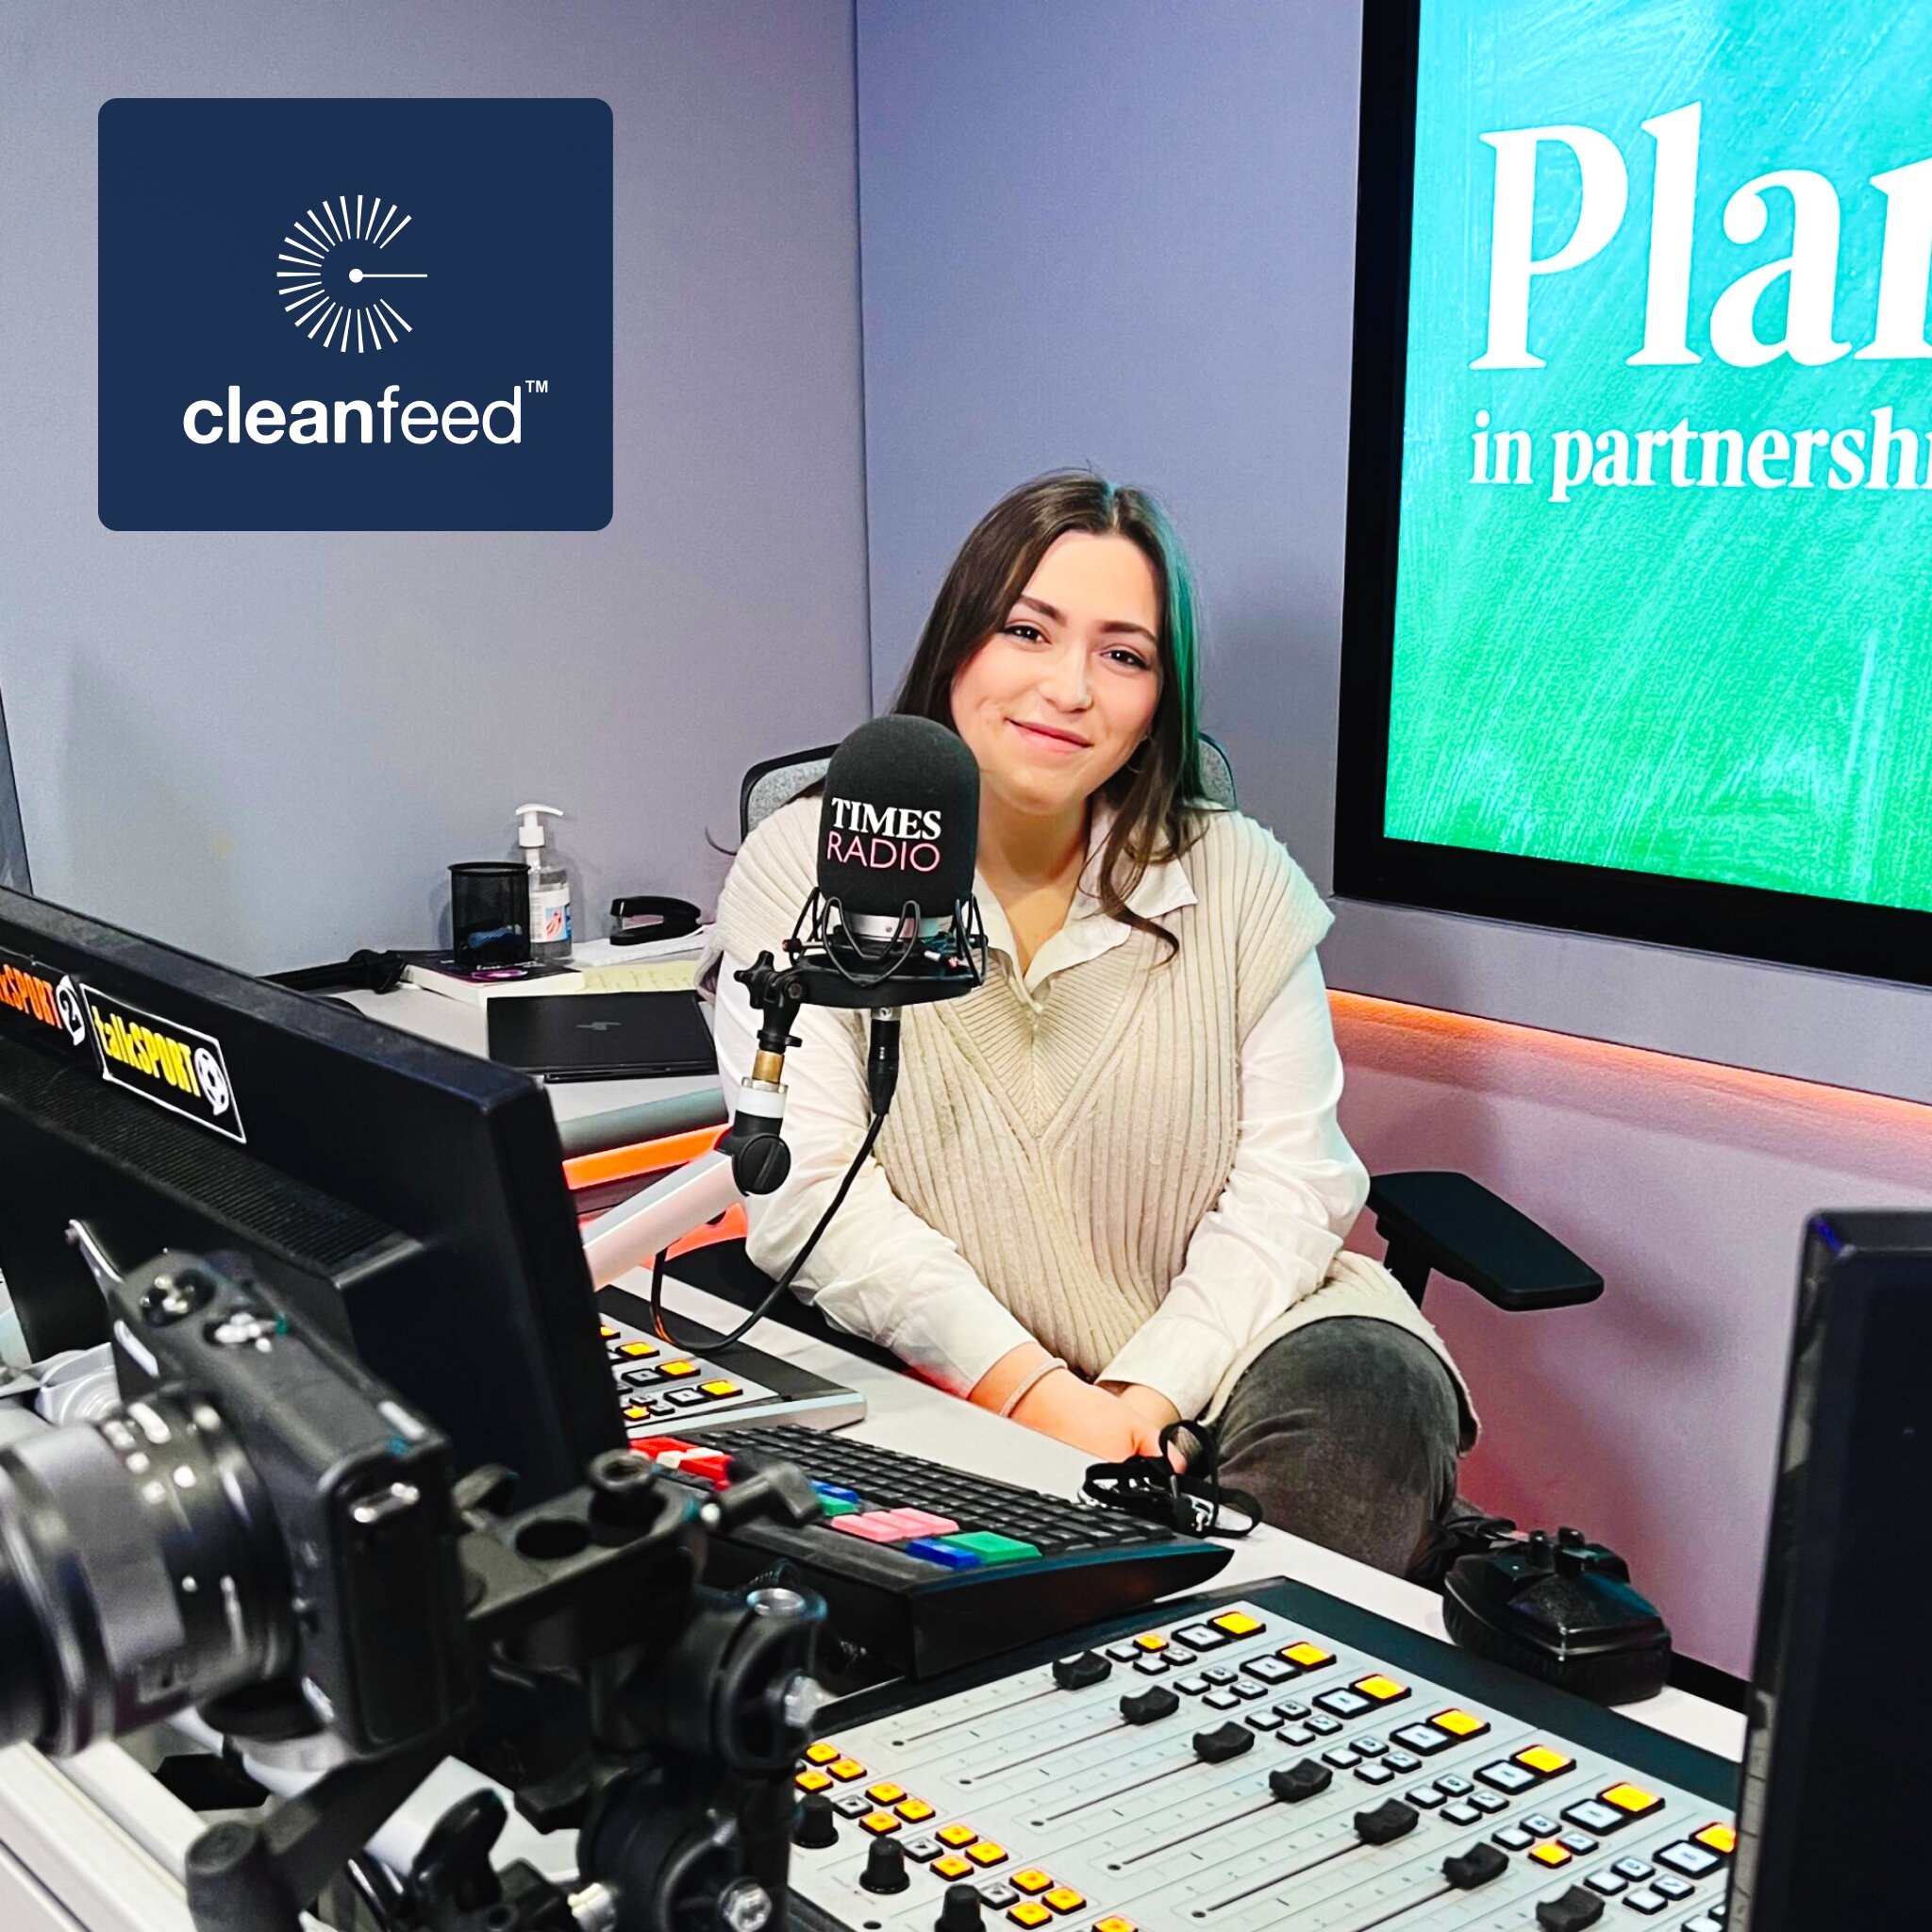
x,y
1060,1405
1156,1411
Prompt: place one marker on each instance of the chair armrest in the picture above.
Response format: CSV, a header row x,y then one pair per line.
x,y
1453,1225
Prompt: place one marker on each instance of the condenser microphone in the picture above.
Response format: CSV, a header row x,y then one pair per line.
x,y
898,834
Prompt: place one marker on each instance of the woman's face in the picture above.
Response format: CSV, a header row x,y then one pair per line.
x,y
1059,697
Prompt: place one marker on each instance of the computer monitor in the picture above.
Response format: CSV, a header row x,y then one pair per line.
x,y
1834,1791
407,1197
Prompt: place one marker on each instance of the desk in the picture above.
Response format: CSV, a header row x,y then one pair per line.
x,y
96,1844
904,1413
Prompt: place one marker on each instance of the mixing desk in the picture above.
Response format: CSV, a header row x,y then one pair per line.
x,y
1271,1759
659,1382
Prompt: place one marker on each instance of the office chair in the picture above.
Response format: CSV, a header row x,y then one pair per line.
x,y
1435,1221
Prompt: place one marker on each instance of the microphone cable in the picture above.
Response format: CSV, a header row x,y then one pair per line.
x,y
661,1320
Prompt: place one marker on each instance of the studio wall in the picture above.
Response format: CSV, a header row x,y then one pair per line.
x,y
268,746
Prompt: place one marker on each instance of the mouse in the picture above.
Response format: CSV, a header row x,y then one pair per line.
x,y
1561,1609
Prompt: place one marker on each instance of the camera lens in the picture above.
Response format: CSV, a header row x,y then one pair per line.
x,y
139,1572
24,1674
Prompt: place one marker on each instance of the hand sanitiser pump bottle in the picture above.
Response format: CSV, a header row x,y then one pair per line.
x,y
549,887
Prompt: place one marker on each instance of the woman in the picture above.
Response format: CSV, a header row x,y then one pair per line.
x,y
1111,1192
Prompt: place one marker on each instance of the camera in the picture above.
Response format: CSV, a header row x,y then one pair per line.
x,y
263,1531
263,1520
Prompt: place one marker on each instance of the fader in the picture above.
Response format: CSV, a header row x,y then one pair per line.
x,y
1277,1760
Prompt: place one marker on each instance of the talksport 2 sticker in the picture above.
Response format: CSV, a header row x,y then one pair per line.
x,y
172,1065
355,315
41,1003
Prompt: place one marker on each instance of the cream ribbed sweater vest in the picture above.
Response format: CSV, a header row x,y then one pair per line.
x,y
1070,1147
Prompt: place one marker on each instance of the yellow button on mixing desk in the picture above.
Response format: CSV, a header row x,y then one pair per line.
x,y
1459,1724
1717,1837
914,1810
1311,1657
1633,1800
1543,1761
1150,1640
955,1834
1550,1854
878,1823
676,1369
634,1414
719,1389
1235,1623
885,1794
951,1867
1032,1880
811,1780
1114,1926
606,1333
822,1754
985,1852
637,1351
1383,1689
1063,1898
845,1769
1029,1911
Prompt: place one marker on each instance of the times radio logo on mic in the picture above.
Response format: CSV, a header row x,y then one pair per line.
x,y
355,314
883,837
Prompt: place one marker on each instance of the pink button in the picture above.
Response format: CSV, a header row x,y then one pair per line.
x,y
874,1527
923,1523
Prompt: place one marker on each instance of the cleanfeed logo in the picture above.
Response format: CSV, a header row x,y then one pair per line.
x,y
332,297
498,415
333,294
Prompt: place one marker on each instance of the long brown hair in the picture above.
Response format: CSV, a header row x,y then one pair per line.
x,y
1157,794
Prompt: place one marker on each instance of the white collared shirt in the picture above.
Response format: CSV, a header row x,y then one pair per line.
x,y
1293,1192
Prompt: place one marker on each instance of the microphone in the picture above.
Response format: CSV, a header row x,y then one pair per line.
x,y
898,835
891,922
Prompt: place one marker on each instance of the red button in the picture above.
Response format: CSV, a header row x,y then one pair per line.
x,y
654,1446
714,1465
922,1523
874,1526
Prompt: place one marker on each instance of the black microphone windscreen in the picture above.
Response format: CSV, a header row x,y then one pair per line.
x,y
900,821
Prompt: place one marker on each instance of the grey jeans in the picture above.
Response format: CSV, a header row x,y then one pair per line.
x,y
1347,1432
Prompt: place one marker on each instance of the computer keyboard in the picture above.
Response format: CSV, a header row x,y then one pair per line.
x,y
661,1384
925,1568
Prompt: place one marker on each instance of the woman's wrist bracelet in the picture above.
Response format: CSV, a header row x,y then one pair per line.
x,y
1029,1384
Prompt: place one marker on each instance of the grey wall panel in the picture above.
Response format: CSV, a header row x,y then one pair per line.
x,y
269,747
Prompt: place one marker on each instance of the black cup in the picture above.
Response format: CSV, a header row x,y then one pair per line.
x,y
490,913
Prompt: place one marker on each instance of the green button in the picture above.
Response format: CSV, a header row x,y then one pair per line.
x,y
991,1546
832,1505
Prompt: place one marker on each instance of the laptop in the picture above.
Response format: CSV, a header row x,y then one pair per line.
x,y
601,1036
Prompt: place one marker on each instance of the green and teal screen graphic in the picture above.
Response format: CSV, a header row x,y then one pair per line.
x,y
1664,594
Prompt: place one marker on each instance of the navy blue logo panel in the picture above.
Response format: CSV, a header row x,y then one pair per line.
x,y
355,315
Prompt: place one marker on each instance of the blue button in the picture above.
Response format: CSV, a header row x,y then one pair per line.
x,y
929,1549
837,1494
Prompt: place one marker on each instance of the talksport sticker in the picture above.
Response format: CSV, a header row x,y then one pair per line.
x,y
41,1003
355,314
172,1065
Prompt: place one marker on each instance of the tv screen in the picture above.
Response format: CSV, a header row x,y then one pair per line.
x,y
1639,606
